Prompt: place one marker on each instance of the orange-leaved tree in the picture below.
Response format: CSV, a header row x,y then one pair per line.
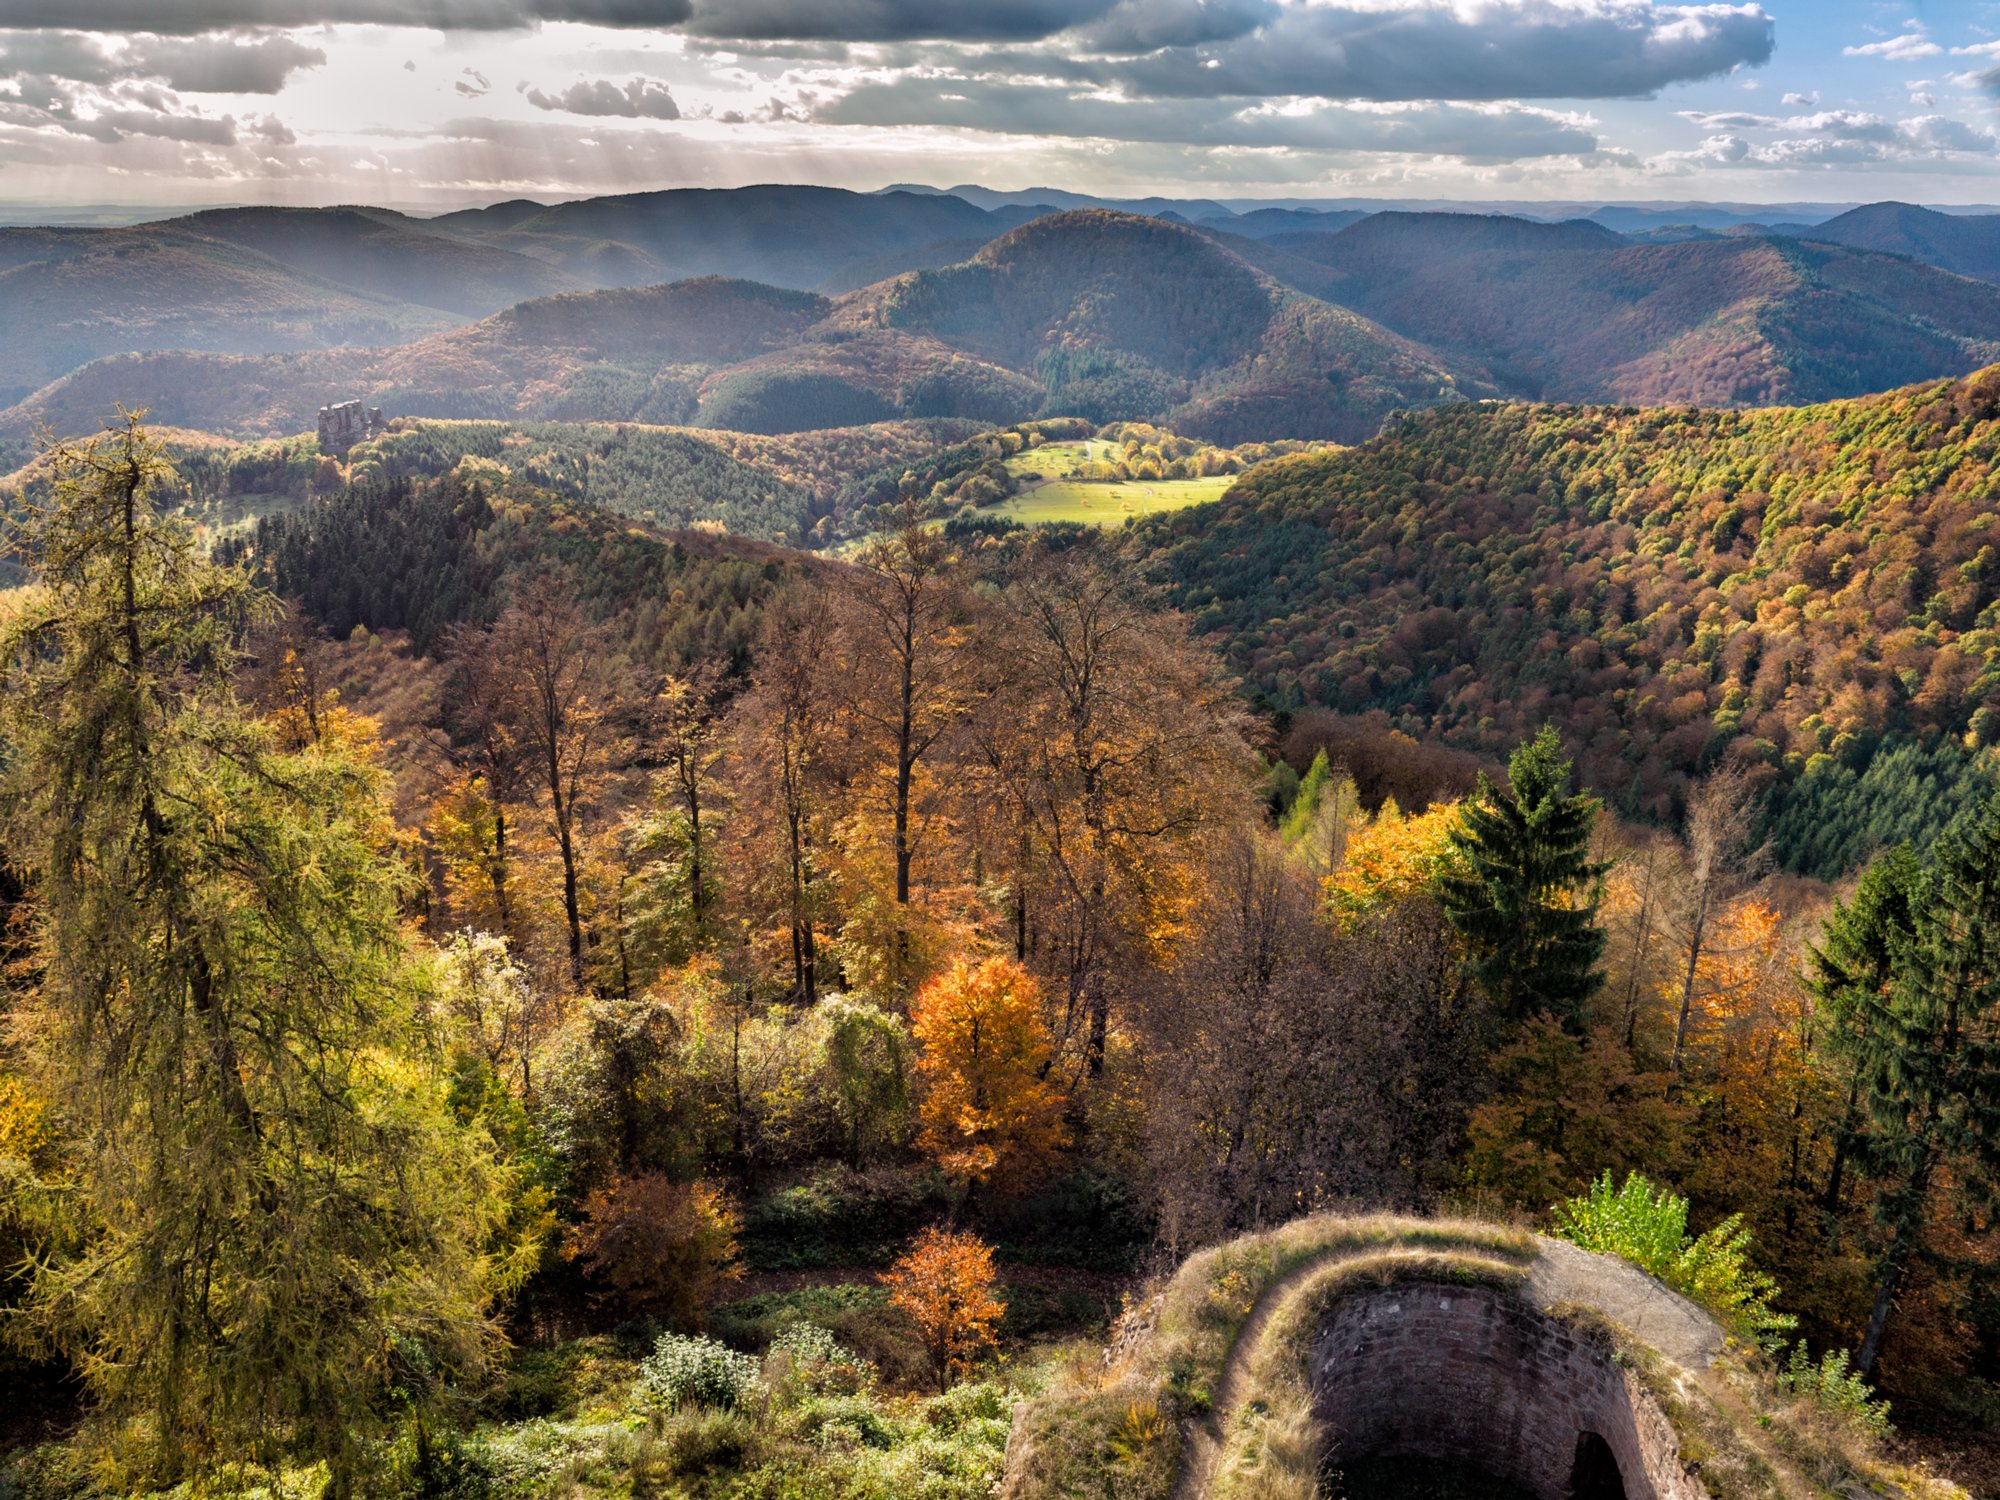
x,y
988,1109
945,1284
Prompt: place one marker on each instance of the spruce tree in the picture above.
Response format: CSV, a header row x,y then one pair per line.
x,y
1927,1049
1848,974
280,1232
1527,910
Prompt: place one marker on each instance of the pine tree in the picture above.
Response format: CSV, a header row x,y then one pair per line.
x,y
1928,1048
1527,910
280,1222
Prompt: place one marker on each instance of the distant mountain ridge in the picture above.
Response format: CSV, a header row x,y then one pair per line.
x,y
248,317
1573,312
1089,312
1967,244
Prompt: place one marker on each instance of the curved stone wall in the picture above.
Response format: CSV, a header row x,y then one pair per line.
x,y
1482,1377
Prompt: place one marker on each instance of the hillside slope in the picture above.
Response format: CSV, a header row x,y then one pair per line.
x,y
385,254
1968,244
615,355
1573,312
1095,314
1666,586
1118,316
67,297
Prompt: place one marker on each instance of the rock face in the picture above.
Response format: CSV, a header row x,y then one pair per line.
x,y
1482,1376
348,423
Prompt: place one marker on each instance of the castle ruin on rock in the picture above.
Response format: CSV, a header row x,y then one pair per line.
x,y
343,425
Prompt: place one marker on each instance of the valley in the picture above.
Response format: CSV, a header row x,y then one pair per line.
x,y
946,844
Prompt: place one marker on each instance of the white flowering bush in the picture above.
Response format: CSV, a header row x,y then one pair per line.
x,y
688,1370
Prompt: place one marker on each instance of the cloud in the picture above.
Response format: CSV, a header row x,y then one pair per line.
x,y
213,64
193,17
899,20
224,64
1014,109
1834,138
641,99
1907,47
1427,49
472,83
1147,25
1802,101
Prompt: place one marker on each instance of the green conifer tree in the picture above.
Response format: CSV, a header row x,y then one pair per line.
x,y
284,1236
1527,910
1927,1048
1849,973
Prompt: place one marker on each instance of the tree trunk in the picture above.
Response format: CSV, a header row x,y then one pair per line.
x,y
1893,1266
571,910
1696,932
497,871
1842,1144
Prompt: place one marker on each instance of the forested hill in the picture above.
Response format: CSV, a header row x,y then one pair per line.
x,y
1667,586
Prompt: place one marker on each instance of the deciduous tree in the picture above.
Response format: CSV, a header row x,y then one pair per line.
x,y
945,1283
988,1109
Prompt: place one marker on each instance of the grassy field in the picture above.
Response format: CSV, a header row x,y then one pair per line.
x,y
1108,504
1053,460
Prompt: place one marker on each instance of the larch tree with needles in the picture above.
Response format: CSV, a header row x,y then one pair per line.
x,y
278,1221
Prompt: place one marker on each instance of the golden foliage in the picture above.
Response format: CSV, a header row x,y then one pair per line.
x,y
988,1110
1392,858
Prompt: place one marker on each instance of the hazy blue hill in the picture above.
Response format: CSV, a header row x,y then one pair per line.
x,y
1571,311
153,289
385,254
1968,244
876,268
487,220
627,354
1120,316
1262,223
1091,313
785,235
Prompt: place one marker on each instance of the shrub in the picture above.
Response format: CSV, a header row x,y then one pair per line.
x,y
811,1361
705,1441
429,1463
1648,1227
658,1245
1835,1387
693,1371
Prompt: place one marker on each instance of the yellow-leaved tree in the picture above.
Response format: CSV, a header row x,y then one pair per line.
x,y
988,1110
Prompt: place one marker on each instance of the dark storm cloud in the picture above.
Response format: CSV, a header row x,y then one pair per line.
x,y
1536,49
1438,130
192,17
641,99
896,20
1147,25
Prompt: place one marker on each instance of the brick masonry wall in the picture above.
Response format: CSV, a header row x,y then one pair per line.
x,y
1480,1376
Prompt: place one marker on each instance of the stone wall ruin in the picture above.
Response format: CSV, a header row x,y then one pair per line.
x,y
1481,1377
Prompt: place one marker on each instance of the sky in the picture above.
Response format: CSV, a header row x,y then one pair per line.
x,y
435,104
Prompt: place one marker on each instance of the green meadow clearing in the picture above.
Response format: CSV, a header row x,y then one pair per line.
x,y
1107,503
